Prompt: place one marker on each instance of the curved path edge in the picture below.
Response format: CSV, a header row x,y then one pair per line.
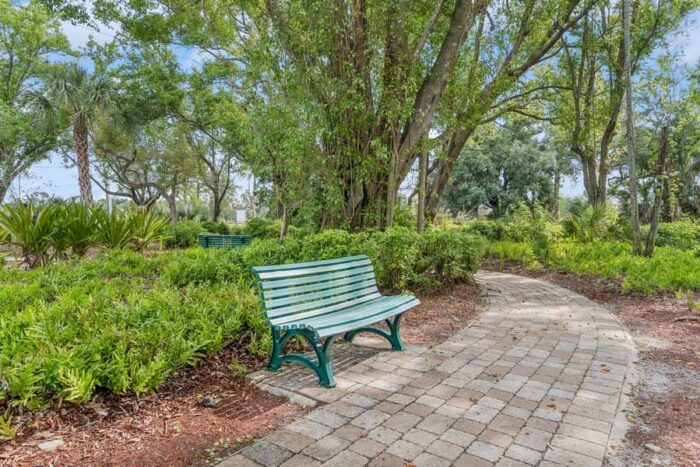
x,y
539,379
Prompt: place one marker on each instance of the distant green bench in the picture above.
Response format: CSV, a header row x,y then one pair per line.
x,y
222,241
321,300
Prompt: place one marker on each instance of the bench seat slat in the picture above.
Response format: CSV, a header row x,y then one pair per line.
x,y
340,328
311,270
373,310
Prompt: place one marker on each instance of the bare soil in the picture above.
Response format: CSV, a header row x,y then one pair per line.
x,y
665,421
173,428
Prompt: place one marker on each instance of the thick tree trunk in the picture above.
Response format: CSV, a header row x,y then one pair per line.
x,y
443,170
284,226
555,195
5,184
172,206
80,134
422,179
631,150
659,192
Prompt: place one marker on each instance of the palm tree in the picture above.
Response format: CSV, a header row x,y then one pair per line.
x,y
80,97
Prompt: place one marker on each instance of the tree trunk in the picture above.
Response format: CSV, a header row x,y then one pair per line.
x,y
5,184
555,195
216,208
659,192
422,178
80,134
631,155
444,168
172,205
284,226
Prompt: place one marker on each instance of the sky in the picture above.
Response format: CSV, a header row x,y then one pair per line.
x,y
54,177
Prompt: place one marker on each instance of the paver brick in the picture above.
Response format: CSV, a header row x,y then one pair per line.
x,y
310,428
347,458
431,460
523,454
387,460
436,423
300,460
533,438
444,449
578,445
289,440
496,438
404,449
486,451
468,460
458,437
420,437
370,419
507,424
326,447
563,457
367,447
267,454
384,435
328,418
481,413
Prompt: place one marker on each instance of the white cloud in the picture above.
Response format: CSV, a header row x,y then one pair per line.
x,y
689,42
78,34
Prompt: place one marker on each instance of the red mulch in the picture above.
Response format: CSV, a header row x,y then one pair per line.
x,y
172,428
167,428
441,314
667,400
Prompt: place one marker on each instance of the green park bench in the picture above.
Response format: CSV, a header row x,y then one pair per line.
x,y
323,299
222,241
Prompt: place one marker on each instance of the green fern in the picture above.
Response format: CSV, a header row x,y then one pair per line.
x,y
7,431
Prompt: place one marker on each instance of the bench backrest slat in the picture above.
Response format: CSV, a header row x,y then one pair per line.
x,y
222,241
304,290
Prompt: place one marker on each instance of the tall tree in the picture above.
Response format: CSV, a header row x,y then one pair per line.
x,y
629,119
504,166
29,36
80,97
592,73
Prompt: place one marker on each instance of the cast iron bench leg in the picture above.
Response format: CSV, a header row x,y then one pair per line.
x,y
394,336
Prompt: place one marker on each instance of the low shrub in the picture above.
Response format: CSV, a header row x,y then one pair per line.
x,y
669,269
394,253
509,251
684,234
215,228
331,244
587,223
449,255
184,234
259,227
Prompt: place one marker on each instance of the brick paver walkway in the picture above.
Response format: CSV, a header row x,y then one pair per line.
x,y
537,380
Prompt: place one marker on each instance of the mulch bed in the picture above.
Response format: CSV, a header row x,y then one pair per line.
x,y
666,330
171,427
441,314
174,428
